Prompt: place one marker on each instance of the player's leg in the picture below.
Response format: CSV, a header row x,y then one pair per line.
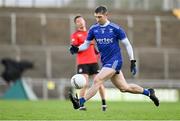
x,y
119,81
93,71
82,91
104,74
83,69
102,94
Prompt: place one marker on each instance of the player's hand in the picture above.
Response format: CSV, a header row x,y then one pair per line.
x,y
73,49
133,67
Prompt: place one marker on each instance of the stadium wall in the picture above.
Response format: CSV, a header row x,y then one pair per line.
x,y
43,36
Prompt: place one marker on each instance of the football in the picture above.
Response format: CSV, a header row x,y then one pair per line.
x,y
78,81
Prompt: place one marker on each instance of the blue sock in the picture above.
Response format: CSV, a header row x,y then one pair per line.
x,y
82,101
146,92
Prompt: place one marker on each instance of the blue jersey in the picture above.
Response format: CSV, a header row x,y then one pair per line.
x,y
107,38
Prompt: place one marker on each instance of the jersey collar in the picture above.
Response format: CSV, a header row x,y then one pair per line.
x,y
104,25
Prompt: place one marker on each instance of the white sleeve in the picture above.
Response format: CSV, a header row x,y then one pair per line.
x,y
84,46
128,47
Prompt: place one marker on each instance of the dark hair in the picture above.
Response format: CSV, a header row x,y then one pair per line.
x,y
101,9
76,17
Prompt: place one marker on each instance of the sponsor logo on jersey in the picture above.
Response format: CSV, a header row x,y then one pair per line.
x,y
105,40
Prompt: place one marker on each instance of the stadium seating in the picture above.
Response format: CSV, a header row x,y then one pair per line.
x,y
57,31
28,30
144,33
63,64
5,30
170,34
38,57
151,65
174,59
34,40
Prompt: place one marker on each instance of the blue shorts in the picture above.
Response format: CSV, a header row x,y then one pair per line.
x,y
114,64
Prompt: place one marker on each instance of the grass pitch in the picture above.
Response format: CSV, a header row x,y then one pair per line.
x,y
62,110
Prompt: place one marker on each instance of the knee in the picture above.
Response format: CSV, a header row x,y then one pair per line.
x,y
98,80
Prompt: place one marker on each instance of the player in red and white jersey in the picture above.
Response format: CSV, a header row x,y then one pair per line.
x,y
86,61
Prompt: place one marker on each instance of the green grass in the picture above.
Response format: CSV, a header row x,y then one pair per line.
x,y
62,110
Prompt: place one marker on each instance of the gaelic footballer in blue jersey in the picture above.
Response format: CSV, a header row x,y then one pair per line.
x,y
107,36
